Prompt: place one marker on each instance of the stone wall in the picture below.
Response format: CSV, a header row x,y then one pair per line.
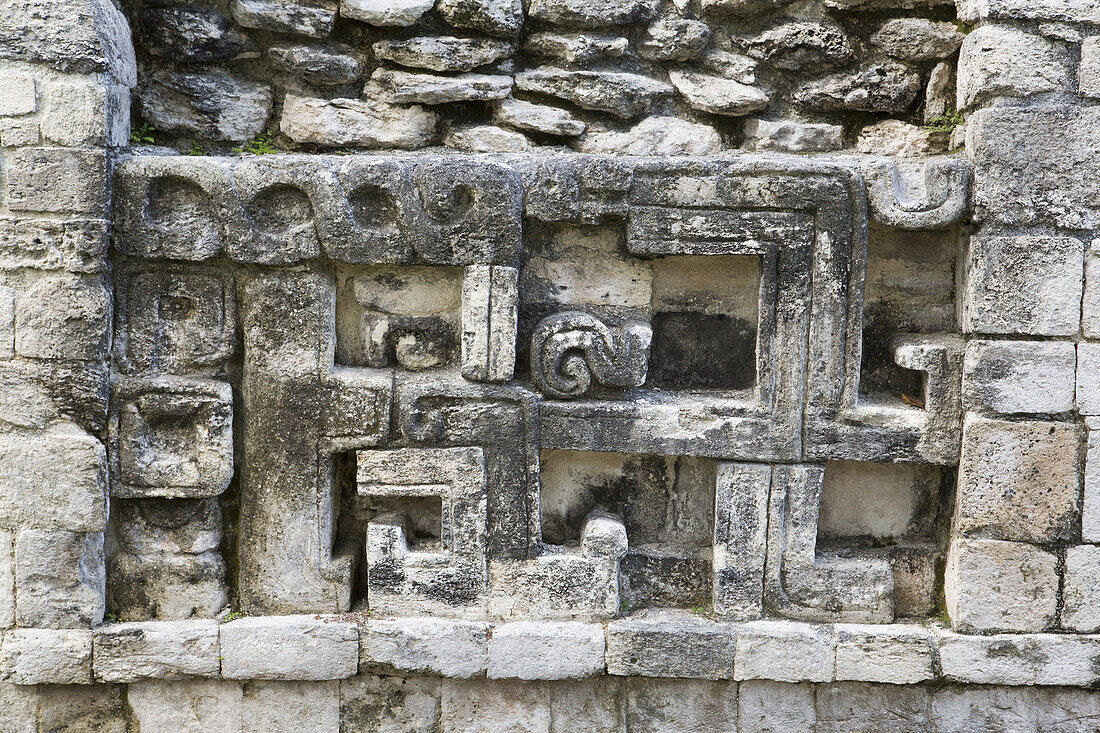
x,y
481,365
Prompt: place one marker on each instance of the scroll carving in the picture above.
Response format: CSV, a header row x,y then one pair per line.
x,y
569,350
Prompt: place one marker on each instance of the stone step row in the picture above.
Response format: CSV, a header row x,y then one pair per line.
x,y
651,644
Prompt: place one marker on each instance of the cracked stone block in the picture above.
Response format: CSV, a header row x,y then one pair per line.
x,y
188,706
449,648
1019,480
291,707
59,578
289,648
172,437
390,704
1019,376
680,706
170,650
489,320
1000,586
47,656
546,650
63,317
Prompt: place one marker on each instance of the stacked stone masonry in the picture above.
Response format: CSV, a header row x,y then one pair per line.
x,y
484,365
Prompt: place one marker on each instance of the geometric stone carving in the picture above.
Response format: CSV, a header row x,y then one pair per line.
x,y
452,581
570,350
171,437
939,200
489,315
740,538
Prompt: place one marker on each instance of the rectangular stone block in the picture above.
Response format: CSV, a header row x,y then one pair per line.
x,y
740,535
53,481
1072,11
59,578
1019,376
680,706
597,705
765,706
784,652
57,180
291,707
484,706
670,644
86,114
390,704
7,322
19,132
546,650
76,245
1081,589
18,95
47,656
1090,302
1023,285
190,706
1090,509
1088,73
1088,378
7,579
1000,586
1019,480
893,653
422,645
289,648
1002,61
489,321
1012,659
284,17
858,707
63,317
83,709
172,650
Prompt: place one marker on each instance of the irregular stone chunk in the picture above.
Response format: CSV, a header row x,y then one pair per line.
x,y
192,34
59,578
796,45
667,705
622,94
392,13
1019,376
1023,285
538,118
900,139
655,136
792,136
670,644
716,95
588,14
885,87
731,65
291,707
546,650
917,39
857,707
390,704
425,646
282,16
939,95
318,64
47,656
443,53
411,87
486,139
289,648
368,124
1000,586
741,7
576,49
999,61
674,39
211,104
171,650
190,706
495,17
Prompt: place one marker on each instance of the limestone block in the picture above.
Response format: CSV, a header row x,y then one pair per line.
x,y
917,39
171,437
765,706
63,317
77,245
576,48
189,706
740,536
1081,589
1090,304
718,96
583,14
1090,508
7,322
1019,376
19,94
1088,378
321,65
166,585
489,320
481,706
486,139
409,87
370,123
443,53
796,45
972,709
1000,586
53,481
284,17
7,579
680,706
1023,285
670,644
77,114
793,137
34,173
858,707
896,654
212,104
653,136
934,195
385,13
546,650
191,34
674,39
1002,61
1012,659
390,704
495,17
444,647
622,94
536,118
1019,480
1035,167
291,707
900,139
597,705
19,132
47,656
19,708
289,648
170,650
59,579
785,652
82,709
1072,11
882,87
1088,73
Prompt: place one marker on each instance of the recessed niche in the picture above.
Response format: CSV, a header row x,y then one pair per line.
x,y
667,505
407,317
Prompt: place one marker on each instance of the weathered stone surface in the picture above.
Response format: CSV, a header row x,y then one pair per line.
x,y
19,709
321,65
654,136
369,124
284,17
289,648
716,95
390,704
1088,73
585,14
1014,659
578,48
405,87
1023,285
655,705
476,706
1081,589
939,97
486,139
20,95
156,650
884,87
784,652
656,644
289,707
537,118
212,104
546,650
191,34
449,648
189,706
495,17
58,578
900,139
1000,586
897,654
386,13
1001,61
797,45
917,39
82,709
674,39
742,7
443,53
19,132
64,473
774,707
1019,480
791,136
32,173
1019,376
1090,508
86,114
47,656
970,709
856,707
622,94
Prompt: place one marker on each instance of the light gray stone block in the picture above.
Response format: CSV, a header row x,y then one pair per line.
x,y
597,705
546,650
784,652
1003,61
765,706
1012,659
671,644
490,314
385,13
1000,586
495,706
680,706
19,93
1072,11
390,704
47,656
291,707
59,578
169,650
1088,378
858,707
289,648
893,653
1088,73
1090,506
34,174
423,645
63,317
284,17
83,709
86,114
1081,589
188,706
1019,376
53,482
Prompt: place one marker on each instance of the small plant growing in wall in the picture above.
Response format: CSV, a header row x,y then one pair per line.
x,y
197,148
259,145
143,135
944,123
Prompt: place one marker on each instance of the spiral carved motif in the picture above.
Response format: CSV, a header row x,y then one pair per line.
x,y
569,350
